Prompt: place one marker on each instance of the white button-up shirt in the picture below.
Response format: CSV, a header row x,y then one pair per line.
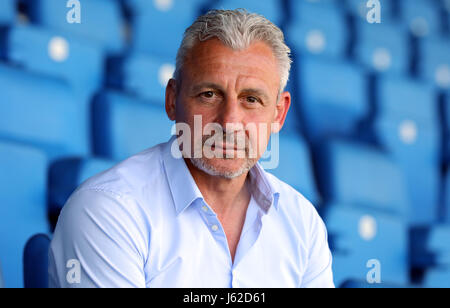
x,y
145,223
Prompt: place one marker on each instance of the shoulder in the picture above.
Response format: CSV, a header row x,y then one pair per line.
x,y
297,210
129,174
118,191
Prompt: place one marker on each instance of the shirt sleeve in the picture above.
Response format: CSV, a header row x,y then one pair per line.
x,y
98,243
319,270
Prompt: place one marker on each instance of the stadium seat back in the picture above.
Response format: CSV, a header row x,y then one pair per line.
x,y
2,283
360,9
7,12
101,20
35,261
295,166
384,48
434,61
271,9
361,176
421,16
67,174
176,14
318,30
147,77
363,240
23,212
333,96
43,112
125,125
53,53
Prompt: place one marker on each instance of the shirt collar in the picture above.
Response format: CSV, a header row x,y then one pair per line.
x,y
185,191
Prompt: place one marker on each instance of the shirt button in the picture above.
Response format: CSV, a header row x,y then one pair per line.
x,y
214,228
205,208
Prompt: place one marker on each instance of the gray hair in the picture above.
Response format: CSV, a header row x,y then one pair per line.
x,y
237,29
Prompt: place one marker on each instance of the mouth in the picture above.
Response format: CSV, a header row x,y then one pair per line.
x,y
227,147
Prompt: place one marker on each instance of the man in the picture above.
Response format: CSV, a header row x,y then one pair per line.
x,y
199,211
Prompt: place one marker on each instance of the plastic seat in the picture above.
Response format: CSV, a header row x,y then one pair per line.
x,y
101,21
271,9
318,30
360,9
35,261
407,126
421,16
361,176
333,96
295,166
56,54
434,61
175,16
23,210
438,245
124,126
43,112
362,237
147,77
2,283
67,174
7,11
384,48
438,277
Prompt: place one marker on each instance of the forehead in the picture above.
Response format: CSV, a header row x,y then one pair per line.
x,y
213,61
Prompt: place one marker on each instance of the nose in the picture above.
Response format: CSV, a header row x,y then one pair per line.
x,y
230,113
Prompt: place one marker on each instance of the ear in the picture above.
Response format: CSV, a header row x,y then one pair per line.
x,y
281,111
171,98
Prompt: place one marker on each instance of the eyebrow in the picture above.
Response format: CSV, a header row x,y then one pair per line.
x,y
210,85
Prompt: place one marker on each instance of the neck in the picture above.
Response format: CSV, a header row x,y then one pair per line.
x,y
220,193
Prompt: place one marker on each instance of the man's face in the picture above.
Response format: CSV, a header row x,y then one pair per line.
x,y
238,91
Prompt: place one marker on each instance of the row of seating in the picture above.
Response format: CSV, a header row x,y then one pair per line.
x,y
373,121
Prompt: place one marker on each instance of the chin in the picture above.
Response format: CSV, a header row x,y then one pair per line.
x,y
227,168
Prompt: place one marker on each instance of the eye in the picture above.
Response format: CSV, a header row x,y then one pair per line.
x,y
207,94
252,99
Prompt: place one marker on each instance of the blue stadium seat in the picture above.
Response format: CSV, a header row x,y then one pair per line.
x,y
42,112
56,54
437,277
362,176
360,9
147,77
35,261
271,9
7,11
2,283
101,21
23,209
358,236
295,166
318,30
384,47
363,284
407,126
421,16
67,174
124,126
171,16
434,61
439,245
333,97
